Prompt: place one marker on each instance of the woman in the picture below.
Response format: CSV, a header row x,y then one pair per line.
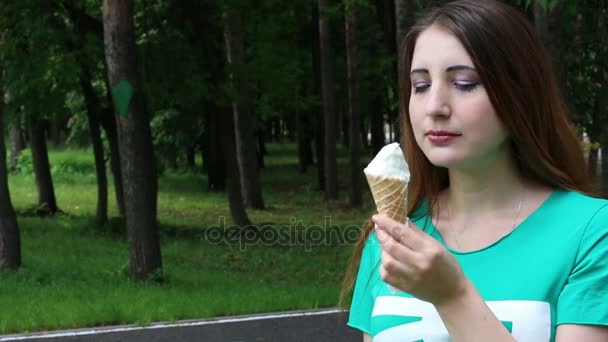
x,y
504,241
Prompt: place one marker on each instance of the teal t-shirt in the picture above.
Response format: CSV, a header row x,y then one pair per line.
x,y
552,269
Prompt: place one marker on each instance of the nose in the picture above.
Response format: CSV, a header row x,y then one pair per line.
x,y
438,103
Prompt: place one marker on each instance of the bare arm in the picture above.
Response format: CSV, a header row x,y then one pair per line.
x,y
575,332
468,318
367,338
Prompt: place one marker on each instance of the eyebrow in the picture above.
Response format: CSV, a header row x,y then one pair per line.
x,y
448,69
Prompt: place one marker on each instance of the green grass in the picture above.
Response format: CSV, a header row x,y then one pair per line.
x,y
74,274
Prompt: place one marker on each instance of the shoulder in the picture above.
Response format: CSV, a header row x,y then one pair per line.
x,y
584,218
578,205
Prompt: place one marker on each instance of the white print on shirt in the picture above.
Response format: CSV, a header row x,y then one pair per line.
x,y
531,320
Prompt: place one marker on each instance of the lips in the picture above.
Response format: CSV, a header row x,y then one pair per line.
x,y
441,138
442,133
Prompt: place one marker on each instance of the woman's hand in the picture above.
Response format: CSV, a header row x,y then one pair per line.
x,y
416,263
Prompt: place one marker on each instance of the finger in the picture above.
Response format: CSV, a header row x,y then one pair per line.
x,y
393,272
408,234
393,247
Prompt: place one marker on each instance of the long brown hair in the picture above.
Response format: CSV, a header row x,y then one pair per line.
x,y
515,70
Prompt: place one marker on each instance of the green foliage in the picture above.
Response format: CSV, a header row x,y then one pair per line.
x,y
173,133
24,162
182,61
587,63
37,69
78,123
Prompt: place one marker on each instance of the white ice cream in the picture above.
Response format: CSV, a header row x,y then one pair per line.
x,y
389,162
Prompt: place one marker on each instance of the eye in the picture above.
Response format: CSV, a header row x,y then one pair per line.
x,y
420,87
467,86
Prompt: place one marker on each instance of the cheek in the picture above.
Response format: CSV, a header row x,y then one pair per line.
x,y
487,124
417,128
416,117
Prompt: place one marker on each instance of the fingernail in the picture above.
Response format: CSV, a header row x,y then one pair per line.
x,y
376,226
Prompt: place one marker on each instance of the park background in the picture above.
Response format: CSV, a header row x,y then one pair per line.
x,y
178,159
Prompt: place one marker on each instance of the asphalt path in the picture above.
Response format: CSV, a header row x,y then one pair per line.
x,y
294,326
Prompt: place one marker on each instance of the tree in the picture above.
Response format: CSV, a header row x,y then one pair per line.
x,y
354,104
10,242
47,203
329,112
319,136
101,216
304,140
136,150
246,144
99,107
213,150
235,199
403,15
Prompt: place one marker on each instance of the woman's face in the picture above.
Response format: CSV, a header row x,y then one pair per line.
x,y
453,120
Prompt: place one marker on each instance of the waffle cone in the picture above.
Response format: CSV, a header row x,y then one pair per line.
x,y
390,196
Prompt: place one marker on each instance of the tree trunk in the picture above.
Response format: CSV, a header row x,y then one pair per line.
x,y
10,241
172,156
290,127
55,133
320,149
214,155
308,158
86,24
319,135
17,143
345,122
377,127
385,10
354,104
47,204
302,165
262,142
136,149
235,199
305,158
301,134
92,105
548,26
190,157
602,97
108,123
329,111
592,162
243,124
276,128
363,132
403,12
260,148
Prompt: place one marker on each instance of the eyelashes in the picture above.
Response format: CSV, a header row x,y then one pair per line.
x,y
467,86
421,87
418,88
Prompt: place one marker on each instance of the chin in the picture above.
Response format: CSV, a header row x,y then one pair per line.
x,y
444,161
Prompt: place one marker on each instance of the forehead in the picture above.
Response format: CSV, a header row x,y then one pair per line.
x,y
437,46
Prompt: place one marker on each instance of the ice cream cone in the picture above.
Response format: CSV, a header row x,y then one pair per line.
x,y
390,195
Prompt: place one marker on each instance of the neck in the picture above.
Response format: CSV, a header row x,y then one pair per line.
x,y
494,188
